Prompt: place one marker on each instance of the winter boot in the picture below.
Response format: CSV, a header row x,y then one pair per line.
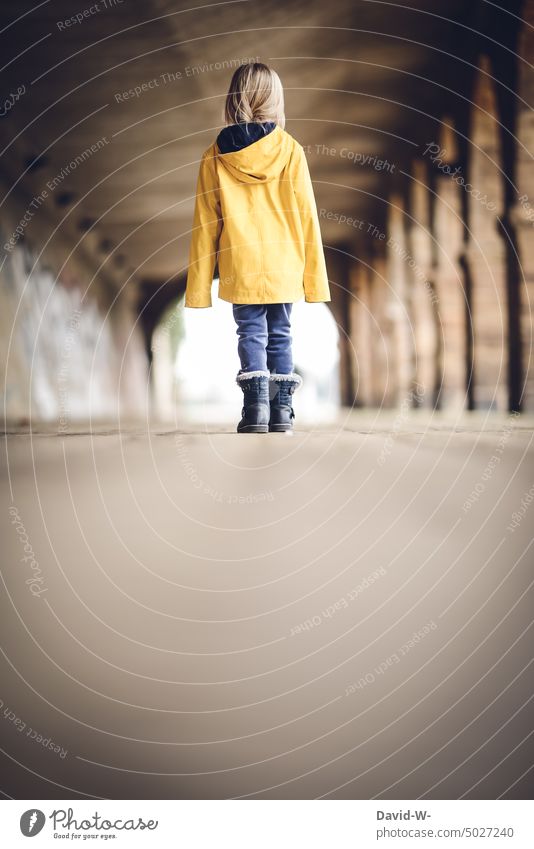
x,y
255,413
281,389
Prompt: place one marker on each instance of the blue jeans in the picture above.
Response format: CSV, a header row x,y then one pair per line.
x,y
264,332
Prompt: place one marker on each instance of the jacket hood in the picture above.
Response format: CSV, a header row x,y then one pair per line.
x,y
259,162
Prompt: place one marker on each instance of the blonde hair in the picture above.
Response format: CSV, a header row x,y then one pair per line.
x,y
255,95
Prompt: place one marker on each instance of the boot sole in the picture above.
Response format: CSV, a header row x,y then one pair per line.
x,y
254,429
280,429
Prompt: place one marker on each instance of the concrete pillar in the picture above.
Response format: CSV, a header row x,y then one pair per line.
x,y
384,374
132,375
400,280
523,214
339,263
363,330
449,295
486,253
424,298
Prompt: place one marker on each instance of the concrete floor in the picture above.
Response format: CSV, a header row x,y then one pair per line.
x,y
341,613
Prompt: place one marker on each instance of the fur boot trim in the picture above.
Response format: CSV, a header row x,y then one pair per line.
x,y
248,374
295,378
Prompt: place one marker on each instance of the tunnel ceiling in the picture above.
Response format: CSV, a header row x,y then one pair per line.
x,y
365,77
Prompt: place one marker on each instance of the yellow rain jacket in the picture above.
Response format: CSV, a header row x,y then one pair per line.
x,y
255,217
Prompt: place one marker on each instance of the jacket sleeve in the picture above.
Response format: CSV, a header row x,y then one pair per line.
x,y
316,286
207,225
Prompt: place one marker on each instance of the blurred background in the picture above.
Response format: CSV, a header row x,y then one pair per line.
x,y
345,613
417,124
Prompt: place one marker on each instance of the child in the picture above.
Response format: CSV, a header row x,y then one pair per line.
x,y
255,215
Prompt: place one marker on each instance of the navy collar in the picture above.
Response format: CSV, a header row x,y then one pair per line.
x,y
237,136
